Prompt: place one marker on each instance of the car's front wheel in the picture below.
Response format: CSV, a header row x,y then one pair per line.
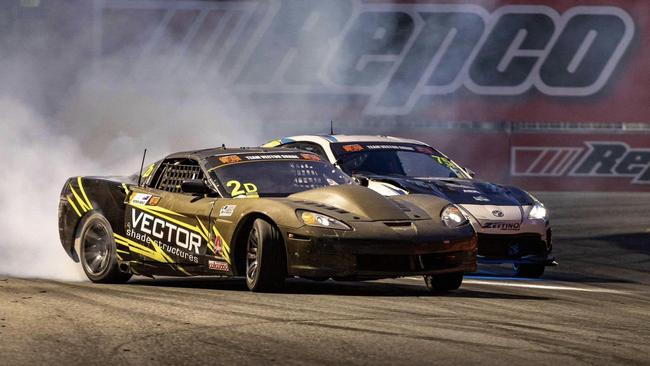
x,y
529,270
443,283
98,251
266,266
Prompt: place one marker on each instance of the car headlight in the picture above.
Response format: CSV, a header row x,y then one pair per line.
x,y
320,220
538,212
453,217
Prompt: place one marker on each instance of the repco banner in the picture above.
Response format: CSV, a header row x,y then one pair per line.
x,y
380,64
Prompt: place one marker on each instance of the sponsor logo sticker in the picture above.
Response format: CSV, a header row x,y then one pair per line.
x,y
218,266
352,148
514,226
227,210
498,213
230,159
140,199
483,199
311,157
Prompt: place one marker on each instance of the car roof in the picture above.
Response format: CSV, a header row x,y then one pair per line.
x,y
351,138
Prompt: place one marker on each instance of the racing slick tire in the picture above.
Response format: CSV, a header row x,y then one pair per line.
x,y
529,270
443,283
98,252
266,267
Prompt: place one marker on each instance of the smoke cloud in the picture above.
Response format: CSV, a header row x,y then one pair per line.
x,y
51,129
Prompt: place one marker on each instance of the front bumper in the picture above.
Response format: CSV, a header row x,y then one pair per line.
x,y
526,248
322,255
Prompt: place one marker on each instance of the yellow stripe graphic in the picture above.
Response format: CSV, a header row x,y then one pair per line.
x,y
126,189
81,187
160,251
73,205
157,254
81,203
182,270
205,231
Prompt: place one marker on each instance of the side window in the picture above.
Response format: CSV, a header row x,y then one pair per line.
x,y
308,146
174,172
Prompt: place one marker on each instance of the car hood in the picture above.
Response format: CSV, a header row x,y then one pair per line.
x,y
461,191
363,203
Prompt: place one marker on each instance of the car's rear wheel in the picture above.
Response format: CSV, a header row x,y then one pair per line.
x,y
444,282
266,266
98,252
529,270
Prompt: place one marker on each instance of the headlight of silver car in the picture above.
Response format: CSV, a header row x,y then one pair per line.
x,y
320,220
453,217
538,212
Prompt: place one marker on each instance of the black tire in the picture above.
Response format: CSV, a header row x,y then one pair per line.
x,y
444,283
266,267
529,270
97,251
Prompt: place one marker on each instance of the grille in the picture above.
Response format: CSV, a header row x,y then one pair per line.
x,y
510,246
397,223
408,263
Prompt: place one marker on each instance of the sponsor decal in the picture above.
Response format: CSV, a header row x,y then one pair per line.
x,y
497,213
471,191
140,198
227,210
172,238
353,47
594,159
502,226
481,198
240,190
352,148
312,157
149,170
153,201
218,266
229,159
390,147
272,157
218,245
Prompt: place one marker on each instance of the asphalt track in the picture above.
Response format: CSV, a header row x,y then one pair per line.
x,y
592,309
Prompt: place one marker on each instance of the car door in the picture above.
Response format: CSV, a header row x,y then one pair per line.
x,y
168,226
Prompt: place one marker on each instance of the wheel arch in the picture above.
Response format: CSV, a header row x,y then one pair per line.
x,y
240,236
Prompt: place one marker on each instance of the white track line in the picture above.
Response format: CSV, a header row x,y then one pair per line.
x,y
535,286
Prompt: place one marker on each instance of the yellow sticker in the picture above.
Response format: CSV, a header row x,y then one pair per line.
x,y
149,170
239,189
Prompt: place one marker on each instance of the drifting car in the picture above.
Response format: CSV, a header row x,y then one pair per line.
x,y
513,226
264,214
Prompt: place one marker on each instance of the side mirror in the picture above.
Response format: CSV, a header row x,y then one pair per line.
x,y
470,172
195,186
361,180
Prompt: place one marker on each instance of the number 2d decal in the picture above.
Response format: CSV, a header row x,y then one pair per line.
x,y
239,189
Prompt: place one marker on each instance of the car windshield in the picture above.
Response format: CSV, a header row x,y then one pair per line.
x,y
276,178
424,162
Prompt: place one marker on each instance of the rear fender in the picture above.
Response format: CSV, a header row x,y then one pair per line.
x,y
81,196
